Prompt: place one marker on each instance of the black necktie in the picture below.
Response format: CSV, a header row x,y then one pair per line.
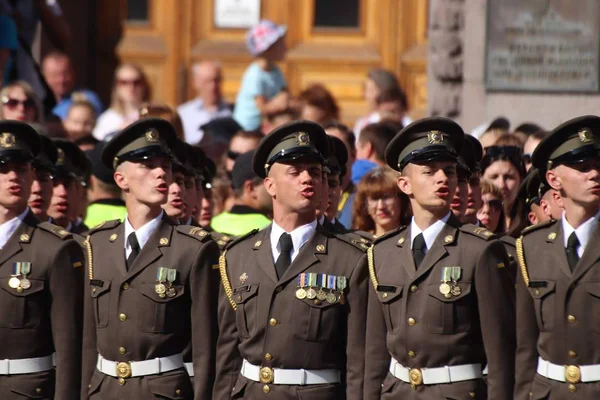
x,y
572,256
418,249
135,249
285,258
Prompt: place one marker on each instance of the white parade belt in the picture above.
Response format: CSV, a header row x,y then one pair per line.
x,y
26,365
435,376
568,373
279,376
132,369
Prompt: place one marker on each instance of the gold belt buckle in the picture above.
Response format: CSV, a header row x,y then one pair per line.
x,y
266,375
573,374
416,377
124,370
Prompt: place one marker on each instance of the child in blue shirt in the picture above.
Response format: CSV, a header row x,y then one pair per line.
x,y
263,89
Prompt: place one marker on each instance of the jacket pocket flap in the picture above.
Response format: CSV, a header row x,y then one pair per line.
x,y
436,291
149,290
172,386
541,288
99,290
388,293
34,386
37,285
243,293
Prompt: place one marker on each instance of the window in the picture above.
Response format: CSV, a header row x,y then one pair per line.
x,y
337,14
137,10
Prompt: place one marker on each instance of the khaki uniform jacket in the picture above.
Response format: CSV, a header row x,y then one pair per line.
x,y
126,320
45,318
273,328
411,321
558,313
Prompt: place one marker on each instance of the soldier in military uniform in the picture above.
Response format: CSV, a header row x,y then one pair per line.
x,y
435,315
474,199
558,295
68,170
293,305
41,189
40,303
149,291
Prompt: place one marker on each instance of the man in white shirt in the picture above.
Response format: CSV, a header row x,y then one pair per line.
x,y
149,292
558,294
292,312
208,103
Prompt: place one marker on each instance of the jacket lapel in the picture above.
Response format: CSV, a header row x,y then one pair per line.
x,y
558,250
405,253
116,250
308,254
446,237
21,235
152,250
263,254
590,255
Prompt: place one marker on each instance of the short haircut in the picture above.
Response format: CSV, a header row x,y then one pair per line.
x,y
349,137
379,135
79,99
540,135
247,135
56,55
288,112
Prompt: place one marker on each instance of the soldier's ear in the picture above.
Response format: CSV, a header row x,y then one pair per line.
x,y
404,184
270,186
120,179
553,179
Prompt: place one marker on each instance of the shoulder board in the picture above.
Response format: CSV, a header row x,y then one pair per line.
x,y
535,227
55,230
194,231
509,240
478,231
389,234
113,223
221,239
353,240
240,239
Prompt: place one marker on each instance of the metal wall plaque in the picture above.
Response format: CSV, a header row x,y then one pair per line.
x,y
543,45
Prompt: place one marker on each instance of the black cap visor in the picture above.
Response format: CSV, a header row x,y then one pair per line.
x,y
427,154
578,155
144,153
295,153
15,155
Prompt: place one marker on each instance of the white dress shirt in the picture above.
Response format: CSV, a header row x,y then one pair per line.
x,y
583,232
193,115
430,233
142,234
9,227
300,236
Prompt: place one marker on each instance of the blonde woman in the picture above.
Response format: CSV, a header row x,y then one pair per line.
x,y
19,102
130,90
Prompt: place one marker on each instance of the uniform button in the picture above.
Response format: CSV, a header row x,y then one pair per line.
x,y
268,357
90,386
122,350
38,390
571,319
385,295
412,354
122,317
239,298
266,389
278,289
572,388
317,302
537,292
411,322
472,395
177,392
272,322
121,381
125,286
414,288
572,354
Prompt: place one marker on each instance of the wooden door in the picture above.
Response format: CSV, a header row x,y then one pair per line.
x,y
334,42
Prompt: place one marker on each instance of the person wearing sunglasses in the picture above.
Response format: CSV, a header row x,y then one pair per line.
x,y
241,142
503,166
18,102
130,90
530,144
491,213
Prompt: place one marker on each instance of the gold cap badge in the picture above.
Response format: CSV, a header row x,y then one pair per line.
x,y
7,140
152,136
435,137
302,138
585,135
